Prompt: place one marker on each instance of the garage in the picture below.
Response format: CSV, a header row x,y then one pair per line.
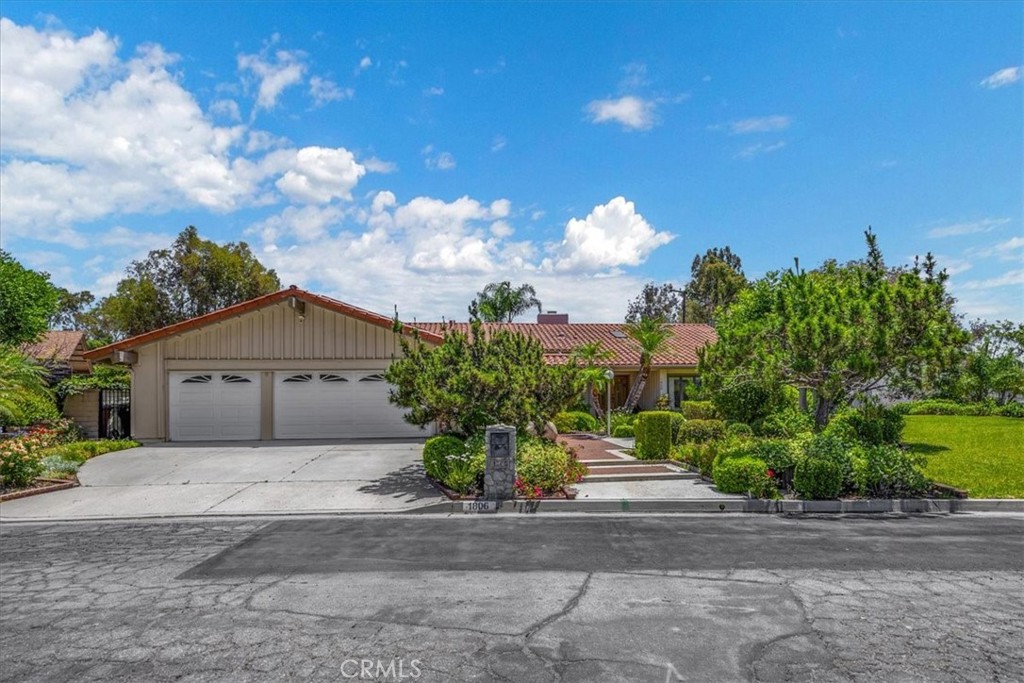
x,y
329,405
214,406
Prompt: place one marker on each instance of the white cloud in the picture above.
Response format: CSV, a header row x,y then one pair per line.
x,y
274,74
440,161
1007,279
634,75
1001,78
763,124
375,165
634,113
364,64
226,108
320,174
968,227
1007,250
953,265
759,149
434,91
498,143
611,236
304,223
324,91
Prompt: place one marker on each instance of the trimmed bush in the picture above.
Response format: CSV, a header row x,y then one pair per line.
x,y
739,429
743,475
438,451
834,449
623,431
701,431
937,406
785,424
1011,410
818,479
32,409
887,472
700,455
653,430
542,465
698,410
576,421
871,425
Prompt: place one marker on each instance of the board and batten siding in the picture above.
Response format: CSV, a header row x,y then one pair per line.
x,y
267,339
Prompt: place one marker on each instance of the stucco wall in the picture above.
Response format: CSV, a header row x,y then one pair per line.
x,y
84,409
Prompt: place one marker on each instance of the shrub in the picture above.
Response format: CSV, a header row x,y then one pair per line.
x,y
742,475
80,451
818,479
621,417
698,410
700,455
32,409
739,429
653,431
1011,410
748,401
886,471
56,465
576,421
543,465
834,449
701,431
873,425
935,406
18,465
436,454
785,424
623,432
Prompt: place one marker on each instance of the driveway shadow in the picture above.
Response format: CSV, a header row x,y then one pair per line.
x,y
407,482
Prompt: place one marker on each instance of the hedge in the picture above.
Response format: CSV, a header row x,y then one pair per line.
x,y
943,407
700,431
437,452
576,421
743,475
653,432
698,410
623,432
818,479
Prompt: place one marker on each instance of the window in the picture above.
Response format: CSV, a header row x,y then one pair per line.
x,y
197,379
618,334
676,390
373,378
299,378
235,379
330,377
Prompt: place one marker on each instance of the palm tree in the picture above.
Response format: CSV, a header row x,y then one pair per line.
x,y
501,303
21,378
592,357
651,335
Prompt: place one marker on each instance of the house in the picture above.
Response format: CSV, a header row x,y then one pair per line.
x,y
298,365
671,370
62,353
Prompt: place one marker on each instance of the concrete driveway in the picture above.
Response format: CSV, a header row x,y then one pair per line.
x,y
240,478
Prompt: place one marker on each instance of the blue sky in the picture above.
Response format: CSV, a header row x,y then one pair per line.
x,y
410,153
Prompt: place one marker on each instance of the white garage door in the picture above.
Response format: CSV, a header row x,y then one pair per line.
x,y
214,406
330,405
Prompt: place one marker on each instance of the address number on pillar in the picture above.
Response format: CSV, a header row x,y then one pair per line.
x,y
479,506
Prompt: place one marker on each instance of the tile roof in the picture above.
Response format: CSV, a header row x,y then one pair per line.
x,y
559,340
57,346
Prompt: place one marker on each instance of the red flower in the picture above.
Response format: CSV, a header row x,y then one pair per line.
x,y
771,474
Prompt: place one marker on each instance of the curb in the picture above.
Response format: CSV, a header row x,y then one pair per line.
x,y
756,506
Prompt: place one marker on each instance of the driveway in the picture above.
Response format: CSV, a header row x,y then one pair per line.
x,y
240,478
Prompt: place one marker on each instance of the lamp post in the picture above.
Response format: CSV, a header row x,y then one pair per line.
x,y
609,375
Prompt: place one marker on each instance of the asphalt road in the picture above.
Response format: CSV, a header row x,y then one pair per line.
x,y
544,598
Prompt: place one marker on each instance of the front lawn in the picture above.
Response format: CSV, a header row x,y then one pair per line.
x,y
981,455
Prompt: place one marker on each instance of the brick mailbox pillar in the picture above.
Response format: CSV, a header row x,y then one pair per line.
x,y
500,470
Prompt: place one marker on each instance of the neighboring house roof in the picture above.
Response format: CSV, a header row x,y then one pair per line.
x,y
60,348
560,339
252,305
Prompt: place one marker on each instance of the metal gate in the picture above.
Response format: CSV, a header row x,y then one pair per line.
x,y
115,414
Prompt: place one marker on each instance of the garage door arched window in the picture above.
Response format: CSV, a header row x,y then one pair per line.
x,y
373,378
331,377
236,379
298,378
197,379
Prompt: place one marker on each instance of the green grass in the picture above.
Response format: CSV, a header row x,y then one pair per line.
x,y
981,455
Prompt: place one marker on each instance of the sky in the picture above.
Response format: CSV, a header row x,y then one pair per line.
x,y
408,154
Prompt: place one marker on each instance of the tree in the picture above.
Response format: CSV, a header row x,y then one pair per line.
x,y
994,365
191,278
27,301
591,357
473,380
72,311
651,335
840,331
500,302
716,279
656,301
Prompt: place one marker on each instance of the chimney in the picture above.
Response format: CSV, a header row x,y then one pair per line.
x,y
552,318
